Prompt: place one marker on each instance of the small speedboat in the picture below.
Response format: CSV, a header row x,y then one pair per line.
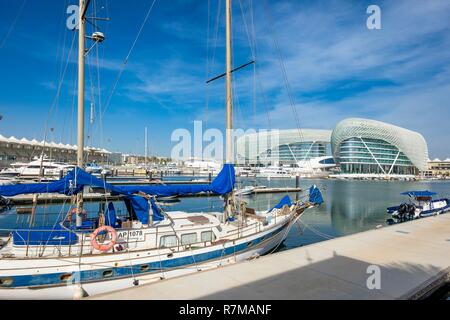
x,y
420,205
246,191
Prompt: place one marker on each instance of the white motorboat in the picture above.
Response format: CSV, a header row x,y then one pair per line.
x,y
245,172
4,181
421,205
39,167
248,190
274,172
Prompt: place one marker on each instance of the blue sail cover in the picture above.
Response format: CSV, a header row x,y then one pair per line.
x,y
222,184
315,196
76,179
72,183
283,201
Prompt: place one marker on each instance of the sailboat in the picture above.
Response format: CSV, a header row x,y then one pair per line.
x,y
102,252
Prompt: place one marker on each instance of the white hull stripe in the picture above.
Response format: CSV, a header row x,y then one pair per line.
x,y
50,279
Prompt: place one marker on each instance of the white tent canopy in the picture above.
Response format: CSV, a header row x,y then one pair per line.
x,y
51,144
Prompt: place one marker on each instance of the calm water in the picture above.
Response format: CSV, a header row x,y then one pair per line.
x,y
350,206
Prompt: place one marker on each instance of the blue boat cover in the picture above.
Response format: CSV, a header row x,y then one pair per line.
x,y
222,184
44,236
283,201
110,216
419,193
76,179
315,196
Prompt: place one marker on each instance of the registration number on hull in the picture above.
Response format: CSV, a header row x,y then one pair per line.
x,y
131,235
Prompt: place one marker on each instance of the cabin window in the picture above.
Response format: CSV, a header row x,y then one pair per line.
x,y
188,238
207,236
168,241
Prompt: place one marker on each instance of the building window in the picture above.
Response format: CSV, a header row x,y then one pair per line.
x,y
363,155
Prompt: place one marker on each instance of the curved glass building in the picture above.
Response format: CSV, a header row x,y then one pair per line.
x,y
282,147
362,146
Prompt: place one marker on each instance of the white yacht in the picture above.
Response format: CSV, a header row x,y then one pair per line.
x,y
245,172
172,169
43,166
4,181
274,172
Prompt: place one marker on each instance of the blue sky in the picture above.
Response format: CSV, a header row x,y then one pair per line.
x,y
336,68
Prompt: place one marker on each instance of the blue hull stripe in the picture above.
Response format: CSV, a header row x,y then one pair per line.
x,y
136,270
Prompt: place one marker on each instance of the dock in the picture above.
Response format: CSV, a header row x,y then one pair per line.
x,y
55,198
413,260
275,190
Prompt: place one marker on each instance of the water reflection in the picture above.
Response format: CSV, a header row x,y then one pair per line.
x,y
350,206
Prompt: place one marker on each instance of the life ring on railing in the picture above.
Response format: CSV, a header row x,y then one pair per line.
x,y
104,247
75,211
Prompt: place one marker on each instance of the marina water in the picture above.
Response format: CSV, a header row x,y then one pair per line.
x,y
350,206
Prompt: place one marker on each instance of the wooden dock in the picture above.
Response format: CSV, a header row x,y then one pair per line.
x,y
413,259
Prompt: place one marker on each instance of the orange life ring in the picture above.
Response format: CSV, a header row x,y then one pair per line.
x,y
104,247
75,211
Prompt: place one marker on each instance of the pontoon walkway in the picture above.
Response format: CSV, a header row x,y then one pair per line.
x,y
414,259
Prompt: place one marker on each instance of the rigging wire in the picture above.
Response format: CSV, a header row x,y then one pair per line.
x,y
251,36
58,91
125,62
207,63
11,27
61,66
284,72
211,61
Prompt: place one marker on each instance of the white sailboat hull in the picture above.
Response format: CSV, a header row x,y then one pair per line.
x,y
72,290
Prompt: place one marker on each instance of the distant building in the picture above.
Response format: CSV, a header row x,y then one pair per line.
x,y
134,160
362,146
282,147
115,158
23,150
438,168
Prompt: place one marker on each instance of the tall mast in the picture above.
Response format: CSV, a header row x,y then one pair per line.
x,y
80,135
81,52
229,142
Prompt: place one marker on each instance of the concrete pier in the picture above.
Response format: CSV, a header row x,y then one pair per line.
x,y
413,259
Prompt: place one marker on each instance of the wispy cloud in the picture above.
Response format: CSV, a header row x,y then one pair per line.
x,y
336,67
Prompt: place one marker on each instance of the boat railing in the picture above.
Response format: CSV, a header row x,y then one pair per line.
x,y
41,242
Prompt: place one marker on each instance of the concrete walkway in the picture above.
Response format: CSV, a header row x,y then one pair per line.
x,y
413,257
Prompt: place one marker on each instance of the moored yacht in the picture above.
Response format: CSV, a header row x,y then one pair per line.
x,y
274,172
108,252
39,167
